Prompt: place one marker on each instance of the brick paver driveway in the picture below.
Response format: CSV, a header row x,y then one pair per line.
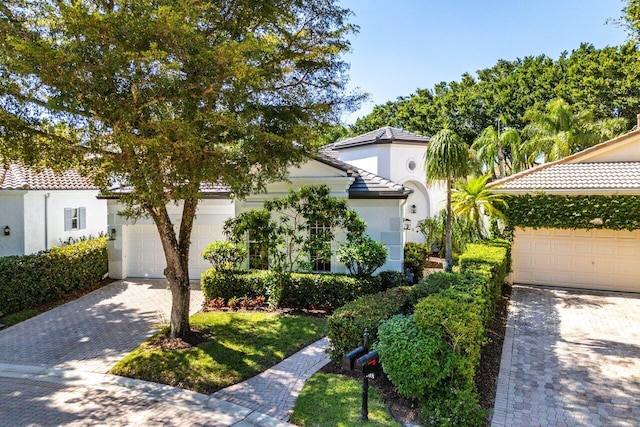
x,y
570,358
95,331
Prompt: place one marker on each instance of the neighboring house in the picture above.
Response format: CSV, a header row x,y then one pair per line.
x,y
40,209
137,250
583,258
397,155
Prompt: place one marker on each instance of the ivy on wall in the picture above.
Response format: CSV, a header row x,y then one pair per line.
x,y
574,212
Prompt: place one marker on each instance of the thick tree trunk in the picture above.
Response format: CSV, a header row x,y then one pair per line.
x,y
448,257
176,251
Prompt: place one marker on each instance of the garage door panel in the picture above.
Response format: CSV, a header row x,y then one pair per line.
x,y
583,248
595,259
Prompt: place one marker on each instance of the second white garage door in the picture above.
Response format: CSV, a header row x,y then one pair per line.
x,y
590,259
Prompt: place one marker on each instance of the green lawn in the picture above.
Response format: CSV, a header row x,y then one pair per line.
x,y
237,346
333,400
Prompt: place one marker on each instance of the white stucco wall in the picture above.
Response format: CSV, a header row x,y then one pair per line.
x,y
366,157
384,223
137,249
36,225
12,215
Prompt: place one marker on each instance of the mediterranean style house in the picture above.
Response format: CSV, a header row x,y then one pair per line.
x,y
381,173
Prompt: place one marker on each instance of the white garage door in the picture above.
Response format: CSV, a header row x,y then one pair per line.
x,y
145,256
591,259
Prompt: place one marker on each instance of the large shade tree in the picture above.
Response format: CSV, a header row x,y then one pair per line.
x,y
446,159
162,96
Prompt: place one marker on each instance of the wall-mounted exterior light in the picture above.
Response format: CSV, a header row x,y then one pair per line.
x,y
112,234
414,209
7,231
406,224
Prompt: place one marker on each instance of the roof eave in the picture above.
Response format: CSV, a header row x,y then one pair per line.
x,y
570,191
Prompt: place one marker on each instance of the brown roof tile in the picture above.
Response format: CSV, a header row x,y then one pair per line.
x,y
383,135
579,176
17,177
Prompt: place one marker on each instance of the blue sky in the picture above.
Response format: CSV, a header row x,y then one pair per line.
x,y
404,45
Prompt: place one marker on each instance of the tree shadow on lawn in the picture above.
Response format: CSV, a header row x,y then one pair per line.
x,y
218,355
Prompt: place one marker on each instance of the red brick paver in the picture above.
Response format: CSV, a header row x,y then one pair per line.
x,y
570,358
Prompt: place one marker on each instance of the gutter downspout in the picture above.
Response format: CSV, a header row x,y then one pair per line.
x,y
46,221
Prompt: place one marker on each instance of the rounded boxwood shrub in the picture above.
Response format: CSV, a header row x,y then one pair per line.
x,y
225,255
414,360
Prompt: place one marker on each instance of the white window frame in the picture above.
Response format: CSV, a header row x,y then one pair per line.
x,y
75,218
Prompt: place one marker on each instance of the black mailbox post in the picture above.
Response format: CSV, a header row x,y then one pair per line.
x,y
366,362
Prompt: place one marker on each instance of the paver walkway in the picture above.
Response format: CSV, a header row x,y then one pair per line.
x,y
570,358
52,369
274,391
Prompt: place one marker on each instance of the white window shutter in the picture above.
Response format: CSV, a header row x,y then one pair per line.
x,y
68,212
82,220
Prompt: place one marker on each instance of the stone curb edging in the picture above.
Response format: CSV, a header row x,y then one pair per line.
x,y
225,412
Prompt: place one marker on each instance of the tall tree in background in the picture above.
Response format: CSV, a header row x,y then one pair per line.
x,y
558,131
164,95
491,149
446,159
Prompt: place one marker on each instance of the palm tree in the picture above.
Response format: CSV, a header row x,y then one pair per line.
x,y
490,149
558,131
472,199
446,159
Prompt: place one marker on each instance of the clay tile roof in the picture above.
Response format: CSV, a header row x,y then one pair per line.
x,y
383,135
366,184
579,176
17,177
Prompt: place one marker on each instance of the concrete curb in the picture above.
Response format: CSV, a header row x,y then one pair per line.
x,y
225,412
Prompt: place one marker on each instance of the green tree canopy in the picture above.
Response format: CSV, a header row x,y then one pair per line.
x,y
558,131
163,95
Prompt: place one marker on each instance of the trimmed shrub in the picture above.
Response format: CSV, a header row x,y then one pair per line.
x,y
454,407
347,324
294,290
390,279
29,280
227,284
225,255
415,362
458,325
363,256
434,355
415,259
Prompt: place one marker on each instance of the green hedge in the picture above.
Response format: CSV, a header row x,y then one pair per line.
x,y
295,290
347,324
617,212
29,280
451,314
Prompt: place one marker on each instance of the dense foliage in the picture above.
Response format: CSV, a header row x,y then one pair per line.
x,y
415,258
29,280
295,290
602,81
298,229
437,365
574,212
225,255
347,324
163,96
362,256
